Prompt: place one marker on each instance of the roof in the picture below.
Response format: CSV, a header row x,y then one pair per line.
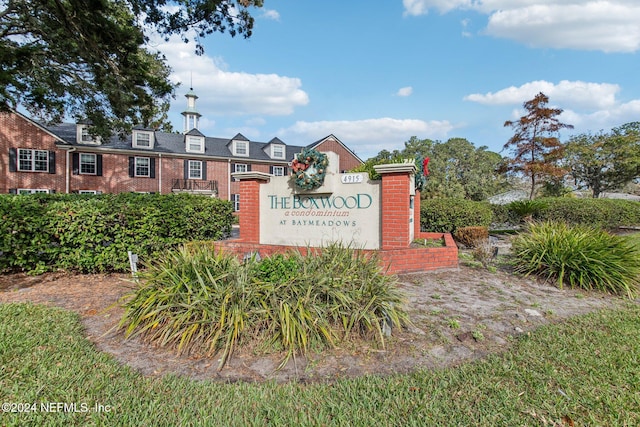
x,y
174,143
332,136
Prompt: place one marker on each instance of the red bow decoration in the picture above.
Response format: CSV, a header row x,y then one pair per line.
x,y
297,165
425,168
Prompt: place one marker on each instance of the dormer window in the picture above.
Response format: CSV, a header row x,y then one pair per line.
x,y
195,144
142,139
84,137
277,151
241,148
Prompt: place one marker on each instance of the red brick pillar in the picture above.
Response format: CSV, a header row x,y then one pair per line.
x,y
249,212
397,190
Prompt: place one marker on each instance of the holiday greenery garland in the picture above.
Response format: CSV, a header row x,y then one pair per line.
x,y
420,178
309,169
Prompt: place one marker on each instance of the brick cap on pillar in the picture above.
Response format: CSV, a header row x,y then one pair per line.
x,y
408,166
245,176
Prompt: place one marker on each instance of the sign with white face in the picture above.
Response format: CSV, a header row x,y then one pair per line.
x,y
348,214
352,178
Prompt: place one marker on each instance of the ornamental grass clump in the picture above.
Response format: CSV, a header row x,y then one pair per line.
x,y
202,301
580,256
355,292
193,300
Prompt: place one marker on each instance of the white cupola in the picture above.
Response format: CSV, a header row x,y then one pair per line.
x,y
191,114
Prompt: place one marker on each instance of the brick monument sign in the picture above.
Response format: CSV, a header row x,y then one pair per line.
x,y
317,206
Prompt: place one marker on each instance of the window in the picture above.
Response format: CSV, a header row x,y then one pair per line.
x,y
277,170
277,151
240,167
241,148
142,139
195,169
235,198
87,192
195,144
32,191
84,137
142,167
88,163
33,160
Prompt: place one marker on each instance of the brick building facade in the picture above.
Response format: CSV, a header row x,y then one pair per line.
x,y
66,159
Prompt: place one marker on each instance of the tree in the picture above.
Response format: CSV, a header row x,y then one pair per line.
x,y
418,148
86,58
536,148
459,169
605,161
456,168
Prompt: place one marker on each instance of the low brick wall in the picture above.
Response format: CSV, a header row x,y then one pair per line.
x,y
395,261
399,225
412,260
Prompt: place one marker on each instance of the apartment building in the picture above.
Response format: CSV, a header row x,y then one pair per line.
x,y
65,158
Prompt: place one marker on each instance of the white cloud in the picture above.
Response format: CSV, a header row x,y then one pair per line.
x,y
368,137
587,106
271,14
605,25
415,7
227,93
405,91
597,25
603,119
421,7
573,94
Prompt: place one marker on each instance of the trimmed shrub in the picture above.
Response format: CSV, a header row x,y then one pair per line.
x,y
606,213
471,236
580,256
93,233
197,300
27,242
502,216
447,215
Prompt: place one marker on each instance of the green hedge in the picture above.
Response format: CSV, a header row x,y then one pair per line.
x,y
94,233
26,240
503,216
605,213
447,215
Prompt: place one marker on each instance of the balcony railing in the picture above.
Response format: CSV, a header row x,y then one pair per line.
x,y
194,185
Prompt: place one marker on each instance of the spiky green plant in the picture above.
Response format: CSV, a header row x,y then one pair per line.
x,y
198,300
192,300
526,209
580,256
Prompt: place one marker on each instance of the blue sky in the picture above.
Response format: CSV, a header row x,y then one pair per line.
x,y
437,69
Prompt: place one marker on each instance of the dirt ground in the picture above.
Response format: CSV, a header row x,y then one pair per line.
x,y
458,315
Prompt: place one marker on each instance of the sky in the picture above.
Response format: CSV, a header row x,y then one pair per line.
x,y
374,74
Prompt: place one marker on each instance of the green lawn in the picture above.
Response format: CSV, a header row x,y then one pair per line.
x,y
635,238
586,369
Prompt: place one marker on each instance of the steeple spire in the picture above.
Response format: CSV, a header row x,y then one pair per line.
x,y
191,114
